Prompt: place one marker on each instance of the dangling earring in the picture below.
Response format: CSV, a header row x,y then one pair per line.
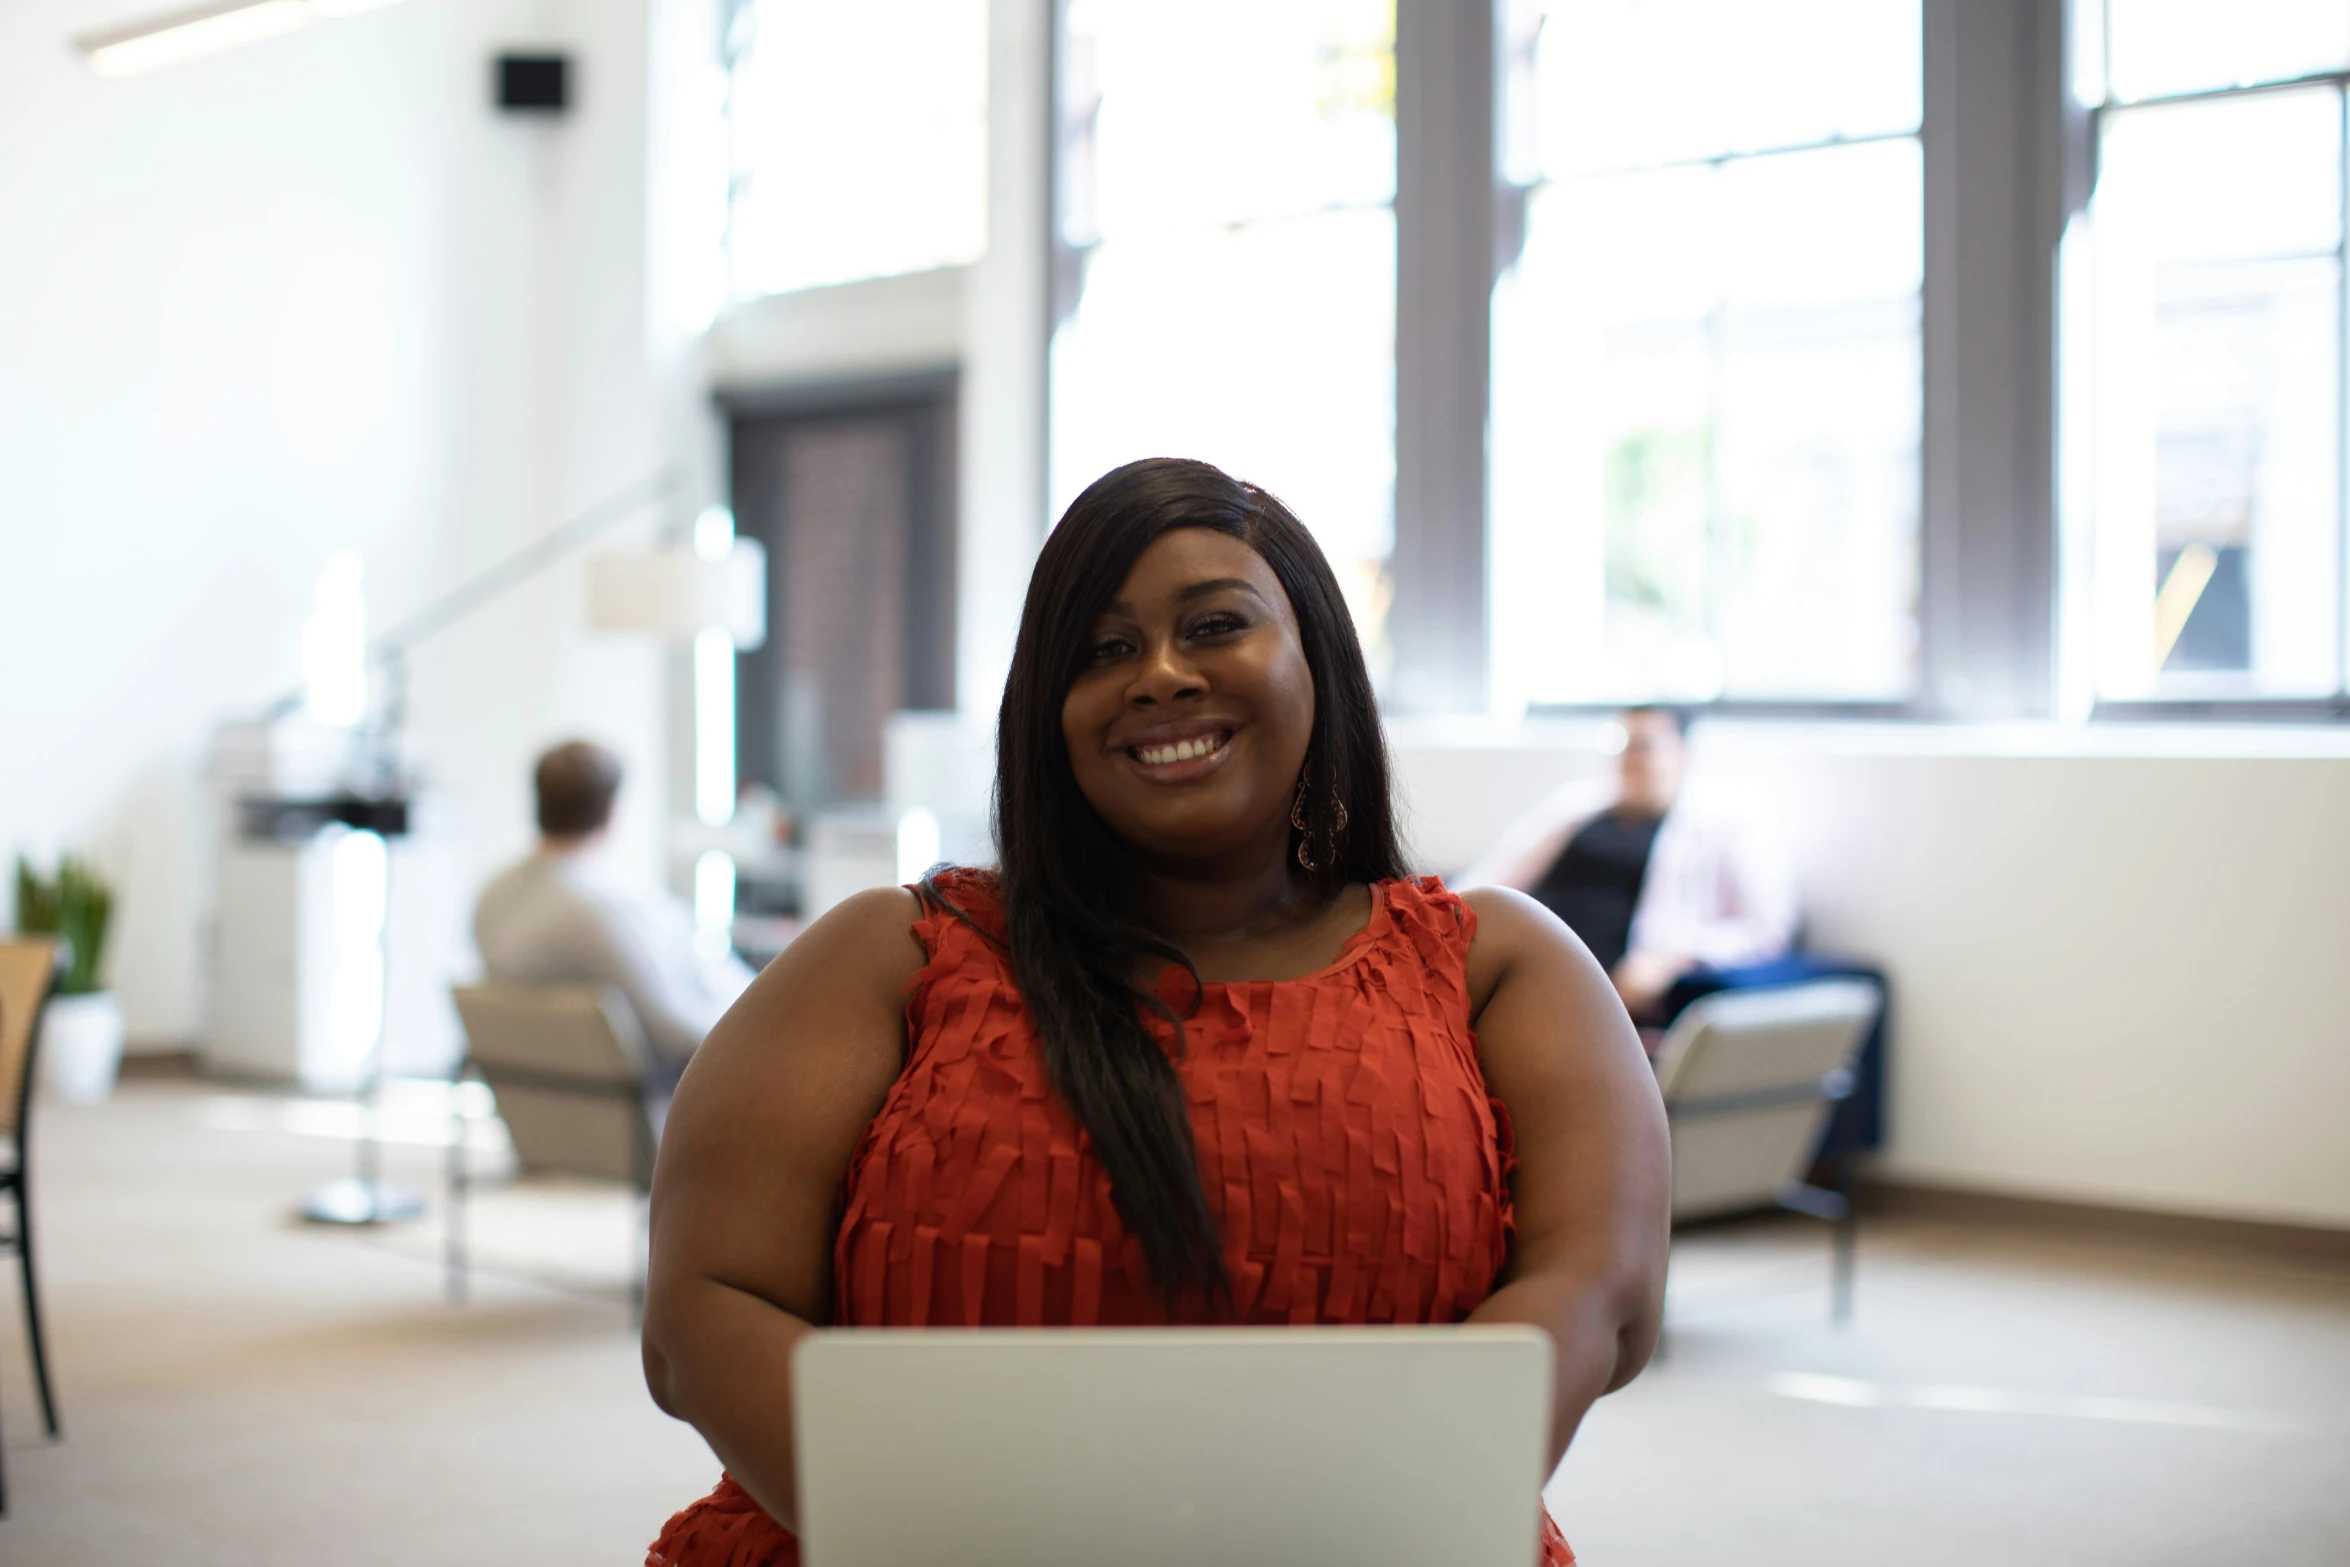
x,y
1297,819
1337,830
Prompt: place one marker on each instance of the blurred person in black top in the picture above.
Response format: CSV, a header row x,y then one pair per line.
x,y
1594,884
1661,880
1680,889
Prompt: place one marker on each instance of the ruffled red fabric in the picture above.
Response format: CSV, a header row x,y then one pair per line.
x,y
724,1529
1356,1165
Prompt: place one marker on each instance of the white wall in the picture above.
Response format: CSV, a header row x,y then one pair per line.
x,y
311,295
2121,959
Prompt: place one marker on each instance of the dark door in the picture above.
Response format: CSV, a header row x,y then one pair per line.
x,y
852,493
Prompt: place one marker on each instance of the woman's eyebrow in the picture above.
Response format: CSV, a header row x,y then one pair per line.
x,y
1196,590
1217,585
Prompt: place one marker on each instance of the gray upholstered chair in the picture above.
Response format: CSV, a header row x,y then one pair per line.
x,y
578,1089
1750,1081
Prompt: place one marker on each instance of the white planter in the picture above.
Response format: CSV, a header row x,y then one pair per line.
x,y
81,1046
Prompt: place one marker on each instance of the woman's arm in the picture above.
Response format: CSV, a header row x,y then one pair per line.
x,y
758,1137
1593,1189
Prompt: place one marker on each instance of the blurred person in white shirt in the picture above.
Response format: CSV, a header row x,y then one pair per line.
x,y
561,917
1666,880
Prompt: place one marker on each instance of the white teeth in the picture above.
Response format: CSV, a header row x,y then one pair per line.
x,y
1180,751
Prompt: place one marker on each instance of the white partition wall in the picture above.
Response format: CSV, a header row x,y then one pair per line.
x,y
2117,956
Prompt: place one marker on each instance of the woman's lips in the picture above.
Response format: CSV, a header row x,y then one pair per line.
x,y
1181,761
1183,750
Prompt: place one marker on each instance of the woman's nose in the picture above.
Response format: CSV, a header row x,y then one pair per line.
x,y
1166,676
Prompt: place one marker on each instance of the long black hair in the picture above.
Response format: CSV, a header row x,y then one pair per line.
x,y
1075,946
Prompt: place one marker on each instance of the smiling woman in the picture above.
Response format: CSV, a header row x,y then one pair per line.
x,y
1200,1051
1174,604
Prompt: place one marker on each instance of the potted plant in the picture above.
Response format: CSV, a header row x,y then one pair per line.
x,y
81,1032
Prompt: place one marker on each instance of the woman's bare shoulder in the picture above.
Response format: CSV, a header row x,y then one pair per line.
x,y
1508,919
1515,933
836,993
864,945
871,930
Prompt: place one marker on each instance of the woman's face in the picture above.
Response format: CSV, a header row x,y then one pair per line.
x,y
1189,717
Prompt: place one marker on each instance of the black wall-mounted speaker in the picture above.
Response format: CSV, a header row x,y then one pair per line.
x,y
533,83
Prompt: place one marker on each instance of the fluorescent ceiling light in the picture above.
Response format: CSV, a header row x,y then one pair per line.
x,y
183,35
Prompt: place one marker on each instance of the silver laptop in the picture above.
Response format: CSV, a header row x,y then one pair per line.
x,y
1368,1447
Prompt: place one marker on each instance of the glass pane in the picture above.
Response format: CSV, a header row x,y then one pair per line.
x,y
1266,349
1706,417
2170,46
1227,169
1633,83
2259,175
1180,117
2217,365
860,141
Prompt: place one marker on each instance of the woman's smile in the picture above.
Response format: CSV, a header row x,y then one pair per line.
x,y
1179,753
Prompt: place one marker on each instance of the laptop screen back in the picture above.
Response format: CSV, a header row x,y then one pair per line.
x,y
1367,1447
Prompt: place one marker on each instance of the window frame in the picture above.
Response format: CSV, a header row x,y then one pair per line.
x,y
2335,706
1937,677
1068,261
1520,197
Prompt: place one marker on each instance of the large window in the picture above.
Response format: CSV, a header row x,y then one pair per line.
x,y
858,139
1736,446
1706,387
2212,352
1226,257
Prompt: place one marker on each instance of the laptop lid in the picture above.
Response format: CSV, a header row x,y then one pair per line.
x,y
1296,1447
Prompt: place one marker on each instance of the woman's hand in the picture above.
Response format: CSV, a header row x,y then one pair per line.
x,y
758,1137
1593,1189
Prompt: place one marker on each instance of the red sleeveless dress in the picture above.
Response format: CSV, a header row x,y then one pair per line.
x,y
1356,1166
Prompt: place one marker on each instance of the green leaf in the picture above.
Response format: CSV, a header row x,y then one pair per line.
x,y
76,907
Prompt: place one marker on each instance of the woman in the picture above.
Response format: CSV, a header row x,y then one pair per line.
x,y
1200,1052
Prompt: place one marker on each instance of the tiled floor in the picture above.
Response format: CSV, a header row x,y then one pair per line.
x,y
241,1389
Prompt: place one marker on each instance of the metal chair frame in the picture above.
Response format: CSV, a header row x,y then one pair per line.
x,y
16,1180
1833,1205
460,1179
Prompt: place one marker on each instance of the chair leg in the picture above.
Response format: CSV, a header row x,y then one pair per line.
x,y
457,1260
642,1152
32,1307
1845,1242
639,1260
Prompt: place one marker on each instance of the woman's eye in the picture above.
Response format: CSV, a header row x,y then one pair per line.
x,y
1107,649
1221,623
